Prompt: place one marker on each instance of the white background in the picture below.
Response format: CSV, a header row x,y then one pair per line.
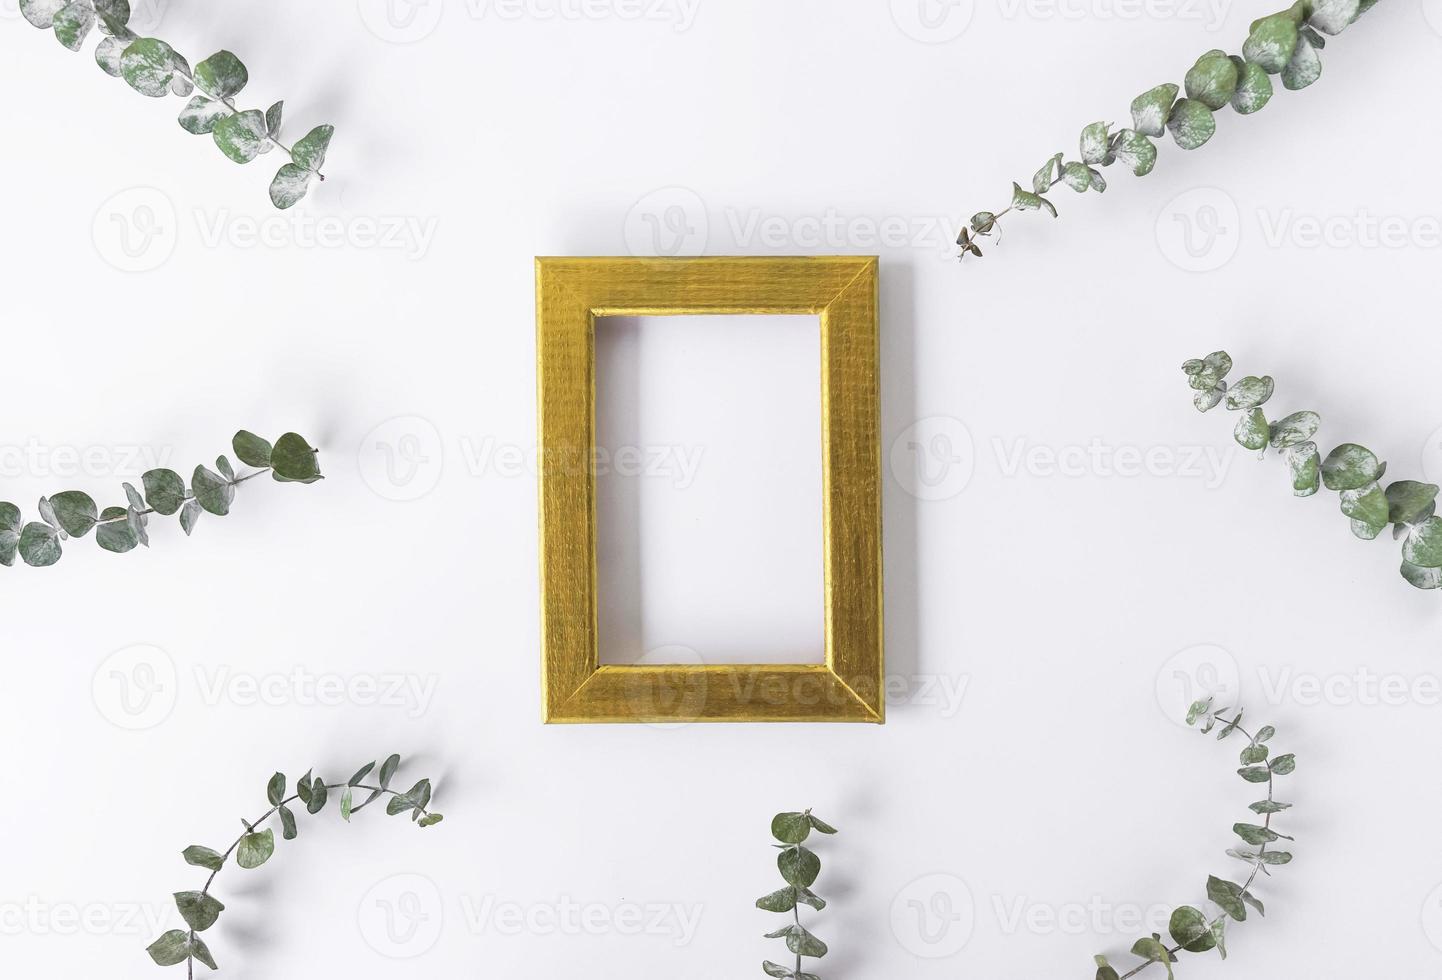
x,y
1031,793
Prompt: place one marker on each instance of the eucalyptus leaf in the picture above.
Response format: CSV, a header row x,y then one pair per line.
x,y
221,75
1249,393
164,491
200,115
203,857
189,514
1254,87
1305,66
41,13
1409,502
171,949
1026,201
255,849
290,184
1095,146
1189,930
1212,80
1366,504
1228,897
1252,430
1333,16
212,492
1152,109
310,150
1350,466
75,511
1417,576
1295,429
791,828
116,533
148,65
39,545
240,135
199,910
1191,124
1137,153
73,23
293,460
1272,41
1050,171
1423,545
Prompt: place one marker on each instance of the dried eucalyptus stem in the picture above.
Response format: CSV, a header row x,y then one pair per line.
x,y
154,68
799,867
1352,470
1284,44
1192,930
73,513
253,847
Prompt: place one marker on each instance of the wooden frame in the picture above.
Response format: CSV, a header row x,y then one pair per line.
x,y
570,294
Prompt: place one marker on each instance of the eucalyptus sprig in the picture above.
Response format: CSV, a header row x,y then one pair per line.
x,y
254,847
799,867
1191,929
1353,471
73,513
154,68
1285,43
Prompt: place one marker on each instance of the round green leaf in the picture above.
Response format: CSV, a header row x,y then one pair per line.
x,y
273,117
781,900
189,514
1333,16
1137,153
255,849
1252,431
1026,201
1152,109
41,13
1191,124
39,545
1302,462
1422,578
116,533
212,492
1295,429
73,23
1189,929
164,491
147,64
309,151
75,511
1249,393
1042,180
201,114
240,135
790,828
1423,545
1096,145
1212,80
251,449
1367,504
198,909
293,460
1208,400
1076,176
10,519
203,857
221,75
1254,87
1272,41
798,866
1305,66
290,184
1349,466
170,949
1410,501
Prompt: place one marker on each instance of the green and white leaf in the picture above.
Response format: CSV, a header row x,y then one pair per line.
x,y
240,135
1152,109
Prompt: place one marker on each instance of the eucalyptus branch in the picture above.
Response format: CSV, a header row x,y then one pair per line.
x,y
154,68
799,867
1285,44
73,513
1192,930
1352,470
254,847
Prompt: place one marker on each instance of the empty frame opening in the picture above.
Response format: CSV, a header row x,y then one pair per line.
x,y
709,490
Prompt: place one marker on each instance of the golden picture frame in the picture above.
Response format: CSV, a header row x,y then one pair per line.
x,y
571,293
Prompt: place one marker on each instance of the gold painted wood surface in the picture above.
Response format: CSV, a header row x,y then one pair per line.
x,y
570,294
